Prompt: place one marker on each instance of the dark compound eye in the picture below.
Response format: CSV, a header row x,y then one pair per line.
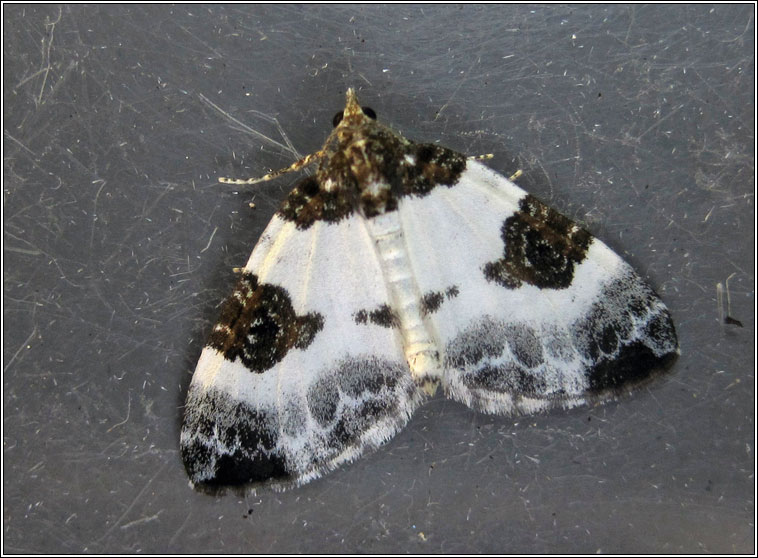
x,y
368,111
337,119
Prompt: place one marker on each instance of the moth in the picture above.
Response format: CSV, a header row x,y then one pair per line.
x,y
397,269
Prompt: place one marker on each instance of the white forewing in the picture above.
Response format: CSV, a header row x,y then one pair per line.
x,y
320,405
524,348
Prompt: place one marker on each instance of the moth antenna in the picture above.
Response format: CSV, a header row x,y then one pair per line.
x,y
296,166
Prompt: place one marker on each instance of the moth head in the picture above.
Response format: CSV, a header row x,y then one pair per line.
x,y
353,114
357,145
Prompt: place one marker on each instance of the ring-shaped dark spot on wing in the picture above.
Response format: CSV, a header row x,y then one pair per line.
x,y
541,248
259,326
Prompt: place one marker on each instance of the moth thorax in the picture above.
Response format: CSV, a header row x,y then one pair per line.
x,y
362,162
376,188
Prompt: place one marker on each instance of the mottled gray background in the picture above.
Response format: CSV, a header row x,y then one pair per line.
x,y
118,243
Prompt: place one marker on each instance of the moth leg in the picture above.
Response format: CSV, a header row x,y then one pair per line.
x,y
487,156
482,157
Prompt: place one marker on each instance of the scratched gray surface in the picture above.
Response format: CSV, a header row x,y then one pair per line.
x,y
119,244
